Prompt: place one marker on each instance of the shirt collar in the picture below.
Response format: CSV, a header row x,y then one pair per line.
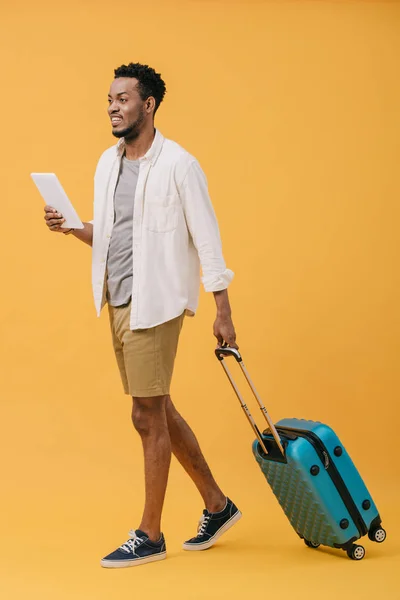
x,y
152,153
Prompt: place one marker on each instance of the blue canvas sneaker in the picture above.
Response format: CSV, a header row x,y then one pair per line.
x,y
212,526
136,551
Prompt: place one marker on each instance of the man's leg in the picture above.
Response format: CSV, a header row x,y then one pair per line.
x,y
147,544
150,420
145,359
221,513
187,450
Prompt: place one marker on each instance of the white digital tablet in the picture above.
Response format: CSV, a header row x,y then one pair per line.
x,y
54,195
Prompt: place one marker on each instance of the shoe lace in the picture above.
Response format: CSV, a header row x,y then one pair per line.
x,y
203,522
133,542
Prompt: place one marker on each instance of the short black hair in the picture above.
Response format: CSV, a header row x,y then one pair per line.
x,y
150,82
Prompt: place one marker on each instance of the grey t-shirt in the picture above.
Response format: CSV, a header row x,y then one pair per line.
x,y
119,262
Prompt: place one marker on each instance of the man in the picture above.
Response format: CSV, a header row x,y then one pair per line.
x,y
153,227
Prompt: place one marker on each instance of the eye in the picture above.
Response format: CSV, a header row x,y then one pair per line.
x,y
122,99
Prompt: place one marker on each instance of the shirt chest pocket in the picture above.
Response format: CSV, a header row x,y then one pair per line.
x,y
161,213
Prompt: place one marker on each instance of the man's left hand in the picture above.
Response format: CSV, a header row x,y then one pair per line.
x,y
224,331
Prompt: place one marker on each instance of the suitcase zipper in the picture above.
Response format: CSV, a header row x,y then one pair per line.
x,y
334,475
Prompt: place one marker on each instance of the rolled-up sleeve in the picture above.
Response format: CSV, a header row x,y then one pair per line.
x,y
203,227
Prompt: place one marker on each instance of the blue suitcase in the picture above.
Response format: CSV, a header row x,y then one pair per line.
x,y
313,478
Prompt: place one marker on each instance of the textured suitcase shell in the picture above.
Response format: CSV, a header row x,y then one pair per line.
x,y
312,503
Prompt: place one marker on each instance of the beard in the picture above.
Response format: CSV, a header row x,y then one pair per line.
x,y
133,130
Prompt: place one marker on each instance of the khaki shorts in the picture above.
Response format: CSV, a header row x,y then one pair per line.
x,y
145,357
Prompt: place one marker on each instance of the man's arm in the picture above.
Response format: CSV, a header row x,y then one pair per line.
x,y
224,329
203,227
54,221
84,235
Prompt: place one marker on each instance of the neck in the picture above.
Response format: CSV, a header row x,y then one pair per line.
x,y
138,147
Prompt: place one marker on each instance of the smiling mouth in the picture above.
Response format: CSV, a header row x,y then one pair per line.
x,y
116,121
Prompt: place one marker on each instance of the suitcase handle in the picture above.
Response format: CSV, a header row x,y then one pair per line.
x,y
225,351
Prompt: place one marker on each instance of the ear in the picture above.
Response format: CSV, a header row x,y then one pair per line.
x,y
150,104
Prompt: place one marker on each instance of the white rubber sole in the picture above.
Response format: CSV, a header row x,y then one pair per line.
x,y
215,537
120,564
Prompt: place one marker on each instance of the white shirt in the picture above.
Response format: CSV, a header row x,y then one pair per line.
x,y
175,231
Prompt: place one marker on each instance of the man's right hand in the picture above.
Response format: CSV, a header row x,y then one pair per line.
x,y
53,219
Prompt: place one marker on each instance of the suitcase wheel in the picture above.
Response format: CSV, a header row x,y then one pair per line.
x,y
356,552
377,535
311,544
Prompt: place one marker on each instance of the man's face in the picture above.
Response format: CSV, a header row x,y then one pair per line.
x,y
125,108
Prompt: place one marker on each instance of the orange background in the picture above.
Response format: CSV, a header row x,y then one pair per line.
x,y
292,109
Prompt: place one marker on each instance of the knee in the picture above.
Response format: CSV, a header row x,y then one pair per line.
x,y
147,414
173,417
140,420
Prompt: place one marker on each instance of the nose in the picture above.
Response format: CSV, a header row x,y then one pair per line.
x,y
110,107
